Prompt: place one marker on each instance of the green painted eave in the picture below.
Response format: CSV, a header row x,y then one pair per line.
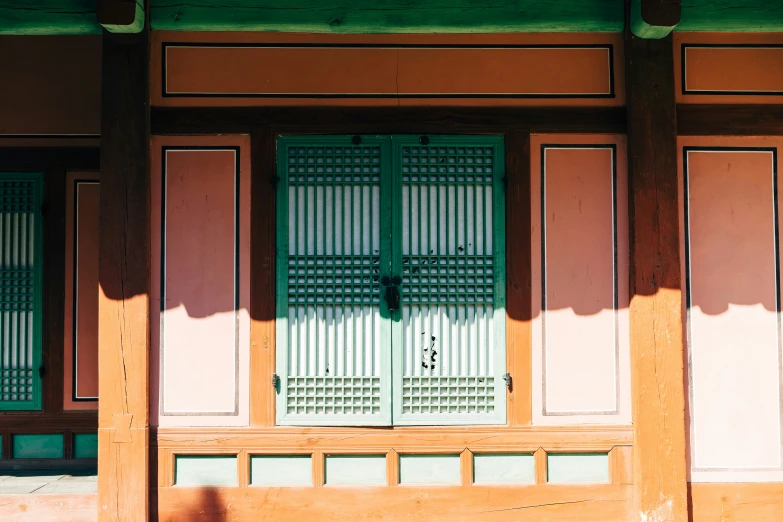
x,y
754,16
48,17
642,29
389,16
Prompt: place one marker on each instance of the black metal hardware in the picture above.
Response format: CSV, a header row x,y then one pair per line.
x,y
507,379
276,381
41,371
356,140
424,140
392,286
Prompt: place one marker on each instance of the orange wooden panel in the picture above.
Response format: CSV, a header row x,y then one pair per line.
x,y
604,503
284,69
80,390
728,68
736,502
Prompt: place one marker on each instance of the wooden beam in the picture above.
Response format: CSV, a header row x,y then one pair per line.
x,y
121,16
655,312
390,16
730,120
654,19
123,310
193,120
757,16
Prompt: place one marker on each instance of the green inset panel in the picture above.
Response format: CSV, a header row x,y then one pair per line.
x,y
430,469
21,274
506,468
355,470
85,446
205,470
281,470
578,468
49,446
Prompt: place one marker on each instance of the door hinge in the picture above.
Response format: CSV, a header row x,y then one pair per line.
x,y
41,371
276,381
507,379
505,183
275,180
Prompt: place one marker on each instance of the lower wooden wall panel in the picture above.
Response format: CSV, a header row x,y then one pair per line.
x,y
604,503
37,508
733,502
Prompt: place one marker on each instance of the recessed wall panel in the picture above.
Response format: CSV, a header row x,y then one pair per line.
x,y
429,469
355,470
732,289
200,281
580,293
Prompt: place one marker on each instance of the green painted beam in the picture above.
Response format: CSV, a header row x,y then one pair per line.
x,y
755,16
654,19
390,16
48,17
134,26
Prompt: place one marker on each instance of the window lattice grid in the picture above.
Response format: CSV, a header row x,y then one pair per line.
x,y
445,164
328,280
448,280
325,164
334,395
17,196
455,395
17,290
16,385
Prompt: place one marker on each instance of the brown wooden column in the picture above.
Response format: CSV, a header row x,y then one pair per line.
x,y
123,417
656,315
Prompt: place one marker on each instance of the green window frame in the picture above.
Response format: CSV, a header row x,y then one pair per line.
x,y
360,219
21,292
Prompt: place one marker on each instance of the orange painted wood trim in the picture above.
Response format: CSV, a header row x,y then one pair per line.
x,y
518,263
598,503
392,468
319,469
657,379
733,502
540,463
262,277
587,75
466,467
728,68
621,465
409,439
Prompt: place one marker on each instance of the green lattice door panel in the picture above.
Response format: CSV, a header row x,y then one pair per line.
x,y
449,344
391,280
21,243
332,250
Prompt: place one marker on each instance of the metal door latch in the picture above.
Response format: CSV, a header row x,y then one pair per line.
x,y
392,285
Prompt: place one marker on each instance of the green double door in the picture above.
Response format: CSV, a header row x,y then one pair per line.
x,y
390,280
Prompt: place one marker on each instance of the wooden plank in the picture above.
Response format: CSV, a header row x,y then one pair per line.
x,y
387,120
35,158
540,470
414,439
45,421
54,288
729,120
518,303
34,508
621,465
394,16
604,503
262,277
734,502
655,312
123,438
654,19
47,17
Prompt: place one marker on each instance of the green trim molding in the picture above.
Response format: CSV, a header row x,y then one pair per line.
x,y
654,19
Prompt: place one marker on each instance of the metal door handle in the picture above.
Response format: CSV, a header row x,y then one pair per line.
x,y
392,286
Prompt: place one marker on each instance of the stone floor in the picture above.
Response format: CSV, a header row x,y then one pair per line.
x,y
41,482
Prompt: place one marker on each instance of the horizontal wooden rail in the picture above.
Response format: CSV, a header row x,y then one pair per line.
x,y
729,120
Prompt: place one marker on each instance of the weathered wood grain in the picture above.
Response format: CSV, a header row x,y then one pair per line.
x,y
655,313
736,502
123,435
600,503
